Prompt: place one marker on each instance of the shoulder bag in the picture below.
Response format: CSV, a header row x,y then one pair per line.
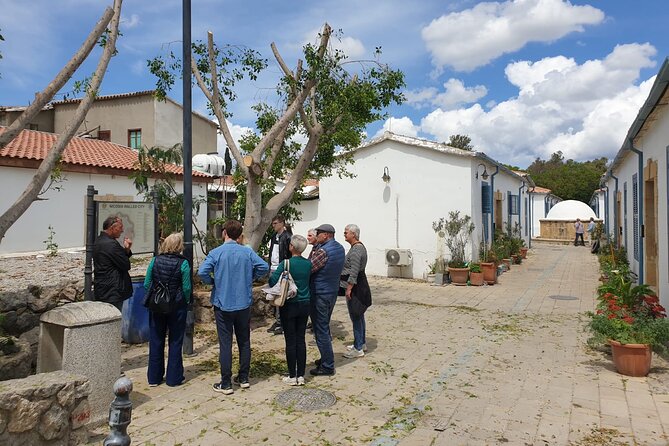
x,y
287,287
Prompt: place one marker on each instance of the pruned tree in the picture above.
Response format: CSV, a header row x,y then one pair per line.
x,y
319,100
108,24
463,142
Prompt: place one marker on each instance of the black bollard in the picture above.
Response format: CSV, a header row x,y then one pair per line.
x,y
120,412
190,331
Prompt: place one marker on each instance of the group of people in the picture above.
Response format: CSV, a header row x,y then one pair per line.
x,y
579,230
231,269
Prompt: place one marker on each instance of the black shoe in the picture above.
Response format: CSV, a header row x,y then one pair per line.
x,y
273,327
320,371
278,330
244,384
317,362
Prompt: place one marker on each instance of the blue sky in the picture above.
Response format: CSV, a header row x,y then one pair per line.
x,y
522,78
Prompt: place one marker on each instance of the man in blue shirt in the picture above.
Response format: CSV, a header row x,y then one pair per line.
x,y
231,268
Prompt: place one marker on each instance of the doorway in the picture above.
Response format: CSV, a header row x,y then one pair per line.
x,y
650,223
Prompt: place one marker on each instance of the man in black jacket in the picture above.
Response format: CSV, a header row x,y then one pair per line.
x,y
111,279
279,250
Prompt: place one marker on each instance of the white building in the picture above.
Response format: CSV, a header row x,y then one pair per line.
x,y
402,185
84,162
541,202
638,189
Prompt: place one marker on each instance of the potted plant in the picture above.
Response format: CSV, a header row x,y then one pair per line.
x,y
631,319
475,274
458,231
431,271
488,263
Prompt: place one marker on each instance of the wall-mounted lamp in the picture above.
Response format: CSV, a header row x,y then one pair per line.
x,y
386,175
484,175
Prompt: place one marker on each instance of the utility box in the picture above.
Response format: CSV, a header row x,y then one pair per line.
x,y
84,338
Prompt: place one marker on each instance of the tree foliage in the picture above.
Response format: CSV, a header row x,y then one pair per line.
x,y
569,180
326,100
463,142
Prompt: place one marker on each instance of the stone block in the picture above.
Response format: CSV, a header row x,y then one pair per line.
x,y
84,338
16,365
26,414
81,414
54,423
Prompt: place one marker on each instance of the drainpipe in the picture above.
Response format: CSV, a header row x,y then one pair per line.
x,y
616,217
492,201
520,207
640,205
606,208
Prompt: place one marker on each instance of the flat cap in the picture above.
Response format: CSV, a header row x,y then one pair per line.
x,y
326,228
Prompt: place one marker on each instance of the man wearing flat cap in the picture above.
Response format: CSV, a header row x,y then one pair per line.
x,y
327,263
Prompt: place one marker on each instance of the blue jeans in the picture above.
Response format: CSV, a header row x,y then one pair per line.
x,y
239,322
321,312
359,328
173,325
294,317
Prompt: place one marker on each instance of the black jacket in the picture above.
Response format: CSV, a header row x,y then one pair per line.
x,y
167,269
111,276
284,246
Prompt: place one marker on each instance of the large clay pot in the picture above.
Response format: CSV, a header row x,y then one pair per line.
x,y
631,359
523,253
458,276
507,263
476,279
489,271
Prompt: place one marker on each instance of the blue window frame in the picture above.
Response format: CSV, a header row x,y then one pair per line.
x,y
635,215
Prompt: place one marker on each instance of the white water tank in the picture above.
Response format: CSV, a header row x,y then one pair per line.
x,y
211,163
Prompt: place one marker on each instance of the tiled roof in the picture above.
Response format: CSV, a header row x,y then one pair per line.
x,y
34,145
107,97
541,190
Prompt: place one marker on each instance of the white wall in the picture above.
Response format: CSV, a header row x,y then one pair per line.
x,y
425,185
64,210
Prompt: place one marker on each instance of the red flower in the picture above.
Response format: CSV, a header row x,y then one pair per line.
x,y
628,319
611,316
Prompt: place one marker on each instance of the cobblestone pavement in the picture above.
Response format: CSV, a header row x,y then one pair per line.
x,y
503,364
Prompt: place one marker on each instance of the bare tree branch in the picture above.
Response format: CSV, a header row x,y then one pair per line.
x,y
42,98
30,194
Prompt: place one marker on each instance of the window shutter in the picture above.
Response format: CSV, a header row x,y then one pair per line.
x,y
486,198
635,214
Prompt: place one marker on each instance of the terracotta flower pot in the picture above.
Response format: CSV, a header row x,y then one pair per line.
x,y
507,264
523,253
489,271
631,359
476,279
459,276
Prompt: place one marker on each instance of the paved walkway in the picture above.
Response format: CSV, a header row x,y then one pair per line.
x,y
503,364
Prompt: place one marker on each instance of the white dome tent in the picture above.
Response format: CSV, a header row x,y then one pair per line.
x,y
571,210
559,223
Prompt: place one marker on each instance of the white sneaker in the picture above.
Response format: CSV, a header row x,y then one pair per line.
x,y
353,353
300,380
350,347
290,381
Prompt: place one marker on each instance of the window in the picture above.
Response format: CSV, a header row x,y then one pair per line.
x,y
104,135
135,138
625,212
514,204
33,126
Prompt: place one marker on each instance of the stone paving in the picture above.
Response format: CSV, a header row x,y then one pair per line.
x,y
503,364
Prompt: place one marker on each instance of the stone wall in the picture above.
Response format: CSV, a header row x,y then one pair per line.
x,y
260,309
45,409
19,315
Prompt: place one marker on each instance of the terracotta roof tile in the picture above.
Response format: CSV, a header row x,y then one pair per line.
x,y
541,190
34,145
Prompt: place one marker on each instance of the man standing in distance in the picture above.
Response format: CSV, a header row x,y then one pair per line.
x,y
231,268
278,252
327,263
111,276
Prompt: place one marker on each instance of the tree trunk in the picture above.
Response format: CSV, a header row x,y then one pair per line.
x,y
30,194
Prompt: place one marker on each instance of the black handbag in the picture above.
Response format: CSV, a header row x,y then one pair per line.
x,y
361,296
160,299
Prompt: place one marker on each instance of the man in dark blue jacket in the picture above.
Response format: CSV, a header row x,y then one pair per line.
x,y
327,263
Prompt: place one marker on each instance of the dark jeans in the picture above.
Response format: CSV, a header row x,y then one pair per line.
x,y
321,312
239,322
173,325
576,239
359,328
294,317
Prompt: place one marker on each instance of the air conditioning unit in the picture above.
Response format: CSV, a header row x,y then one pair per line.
x,y
398,257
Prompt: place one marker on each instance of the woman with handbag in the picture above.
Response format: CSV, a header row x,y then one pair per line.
x,y
356,289
168,281
295,311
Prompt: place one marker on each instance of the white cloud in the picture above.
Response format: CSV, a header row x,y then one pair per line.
x,y
582,109
138,67
472,38
130,22
400,126
455,94
237,132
